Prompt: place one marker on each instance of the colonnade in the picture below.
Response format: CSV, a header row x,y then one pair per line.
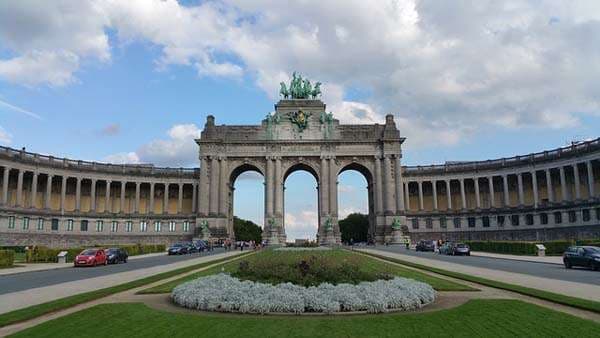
x,y
534,187
114,196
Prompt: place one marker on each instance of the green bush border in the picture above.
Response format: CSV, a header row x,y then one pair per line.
x,y
7,258
579,303
528,248
63,303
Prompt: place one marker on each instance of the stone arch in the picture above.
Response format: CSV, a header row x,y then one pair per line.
x,y
301,165
236,169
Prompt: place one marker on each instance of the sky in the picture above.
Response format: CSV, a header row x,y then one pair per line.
x,y
133,81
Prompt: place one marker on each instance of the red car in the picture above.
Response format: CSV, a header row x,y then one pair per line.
x,y
91,257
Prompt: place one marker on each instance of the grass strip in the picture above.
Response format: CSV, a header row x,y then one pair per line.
x,y
579,303
63,303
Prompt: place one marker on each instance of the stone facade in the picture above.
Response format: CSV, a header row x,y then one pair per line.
x,y
553,194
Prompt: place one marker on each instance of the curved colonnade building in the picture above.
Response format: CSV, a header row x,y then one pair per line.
x,y
60,202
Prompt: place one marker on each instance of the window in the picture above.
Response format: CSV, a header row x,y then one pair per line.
x,y
457,222
558,217
186,226
11,222
40,224
429,223
471,221
485,221
25,223
415,223
171,226
157,226
514,220
544,218
128,226
529,219
54,225
586,215
114,226
443,222
84,225
69,225
143,226
572,216
598,214
99,226
500,220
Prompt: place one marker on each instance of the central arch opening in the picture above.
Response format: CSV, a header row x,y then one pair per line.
x,y
247,207
300,203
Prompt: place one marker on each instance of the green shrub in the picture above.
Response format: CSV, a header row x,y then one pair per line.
x,y
7,258
505,247
16,249
42,254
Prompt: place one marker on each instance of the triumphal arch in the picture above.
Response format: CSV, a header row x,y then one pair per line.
x,y
301,135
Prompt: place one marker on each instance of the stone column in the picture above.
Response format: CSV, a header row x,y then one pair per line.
x,y
5,185
78,194
151,208
536,198
435,201
333,202
204,190
324,186
463,197
137,197
390,206
520,187
420,186
179,198
590,175
491,188
407,193
477,197
448,194
166,199
20,188
577,182
63,193
48,196
223,187
214,185
195,189
549,187
505,186
399,190
122,204
563,184
378,186
278,188
269,189
107,205
34,183
93,196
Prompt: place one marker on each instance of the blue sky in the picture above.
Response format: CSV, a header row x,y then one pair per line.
x,y
134,81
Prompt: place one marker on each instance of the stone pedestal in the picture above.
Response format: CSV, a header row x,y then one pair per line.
x,y
398,237
328,238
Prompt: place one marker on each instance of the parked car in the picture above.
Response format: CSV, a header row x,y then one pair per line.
x,y
447,249
426,246
90,257
588,256
201,245
178,249
461,249
116,255
191,248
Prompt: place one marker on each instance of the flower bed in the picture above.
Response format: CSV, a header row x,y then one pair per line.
x,y
224,293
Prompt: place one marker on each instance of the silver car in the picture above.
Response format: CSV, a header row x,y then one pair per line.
x,y
461,249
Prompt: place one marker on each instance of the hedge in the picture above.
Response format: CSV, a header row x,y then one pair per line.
x,y
42,254
527,248
16,249
7,258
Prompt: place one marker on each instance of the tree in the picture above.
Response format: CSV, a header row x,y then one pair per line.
x,y
355,226
246,230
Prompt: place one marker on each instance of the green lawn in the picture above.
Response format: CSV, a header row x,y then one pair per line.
x,y
477,318
367,263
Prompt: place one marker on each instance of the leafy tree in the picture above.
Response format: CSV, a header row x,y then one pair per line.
x,y
246,230
355,226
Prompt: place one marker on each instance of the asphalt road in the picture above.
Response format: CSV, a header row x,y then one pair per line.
x,y
545,270
36,279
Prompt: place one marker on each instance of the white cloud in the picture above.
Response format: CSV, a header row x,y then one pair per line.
x,y
301,224
40,67
20,110
179,149
5,137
